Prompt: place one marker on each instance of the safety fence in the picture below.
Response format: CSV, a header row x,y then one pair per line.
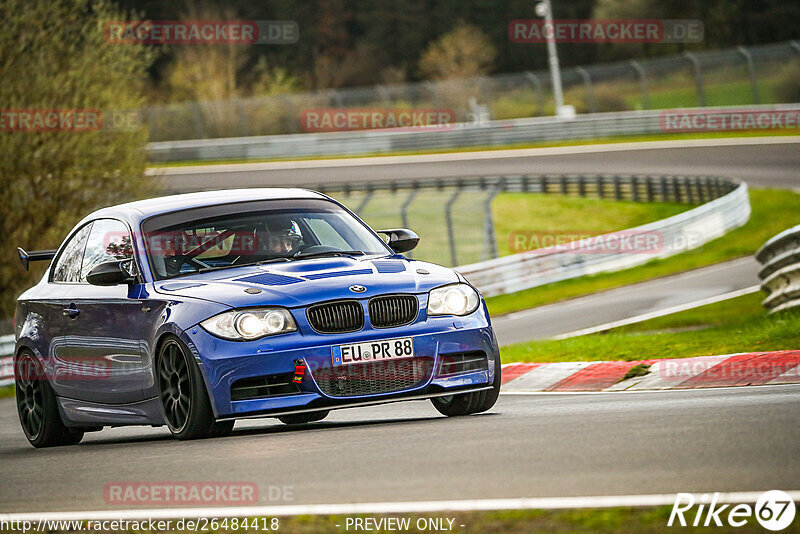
x,y
780,271
763,74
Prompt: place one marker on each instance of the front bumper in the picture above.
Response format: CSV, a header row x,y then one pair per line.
x,y
223,363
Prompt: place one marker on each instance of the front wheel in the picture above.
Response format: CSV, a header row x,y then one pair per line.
x,y
37,407
469,403
184,400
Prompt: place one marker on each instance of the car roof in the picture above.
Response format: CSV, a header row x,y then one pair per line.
x,y
142,209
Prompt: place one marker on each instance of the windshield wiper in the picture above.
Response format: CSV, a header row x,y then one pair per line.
x,y
232,265
212,268
301,256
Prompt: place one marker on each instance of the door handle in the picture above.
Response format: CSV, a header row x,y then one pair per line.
x,y
71,312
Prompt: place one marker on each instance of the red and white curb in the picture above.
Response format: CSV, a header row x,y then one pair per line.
x,y
745,369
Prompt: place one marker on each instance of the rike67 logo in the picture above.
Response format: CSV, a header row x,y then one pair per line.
x,y
774,510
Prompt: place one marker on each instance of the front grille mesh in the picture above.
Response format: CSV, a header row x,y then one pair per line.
x,y
393,310
336,317
374,377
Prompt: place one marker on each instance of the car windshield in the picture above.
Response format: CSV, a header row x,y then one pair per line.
x,y
232,235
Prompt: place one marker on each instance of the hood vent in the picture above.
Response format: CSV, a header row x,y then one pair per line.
x,y
318,276
389,266
269,279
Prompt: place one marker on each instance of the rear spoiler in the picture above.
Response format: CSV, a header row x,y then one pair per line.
x,y
34,255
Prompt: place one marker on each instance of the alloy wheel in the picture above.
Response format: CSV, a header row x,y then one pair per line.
x,y
30,396
175,385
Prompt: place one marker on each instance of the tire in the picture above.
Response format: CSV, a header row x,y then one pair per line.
x,y
37,407
183,397
469,403
302,418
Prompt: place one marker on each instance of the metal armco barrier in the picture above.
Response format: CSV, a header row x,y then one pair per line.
x,y
6,360
780,274
489,133
729,209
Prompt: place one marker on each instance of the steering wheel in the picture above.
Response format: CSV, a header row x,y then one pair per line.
x,y
173,264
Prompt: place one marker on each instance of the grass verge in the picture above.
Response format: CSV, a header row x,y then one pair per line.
x,y
525,219
772,211
6,391
542,144
516,214
735,325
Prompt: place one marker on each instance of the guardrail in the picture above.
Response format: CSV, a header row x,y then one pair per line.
x,y
780,274
489,133
676,234
6,360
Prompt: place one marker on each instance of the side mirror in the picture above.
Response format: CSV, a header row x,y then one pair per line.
x,y
401,239
111,273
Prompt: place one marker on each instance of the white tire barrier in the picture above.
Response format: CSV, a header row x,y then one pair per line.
x,y
780,274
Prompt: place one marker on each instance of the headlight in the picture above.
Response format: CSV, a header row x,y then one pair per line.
x,y
455,299
250,324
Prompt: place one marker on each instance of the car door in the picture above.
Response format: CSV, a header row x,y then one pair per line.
x,y
106,355
52,309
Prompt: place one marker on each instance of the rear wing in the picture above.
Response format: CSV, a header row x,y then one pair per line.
x,y
35,255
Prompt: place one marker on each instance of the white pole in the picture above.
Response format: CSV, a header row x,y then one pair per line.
x,y
555,71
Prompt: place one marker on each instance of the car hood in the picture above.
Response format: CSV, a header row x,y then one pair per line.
x,y
306,282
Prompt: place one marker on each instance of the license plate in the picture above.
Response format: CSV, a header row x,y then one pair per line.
x,y
402,347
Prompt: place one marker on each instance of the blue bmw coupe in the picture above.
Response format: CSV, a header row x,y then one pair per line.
x,y
195,310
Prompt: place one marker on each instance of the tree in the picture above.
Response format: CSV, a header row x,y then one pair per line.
x,y
53,55
463,52
206,72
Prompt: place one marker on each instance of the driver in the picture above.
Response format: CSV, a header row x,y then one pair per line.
x,y
274,239
281,237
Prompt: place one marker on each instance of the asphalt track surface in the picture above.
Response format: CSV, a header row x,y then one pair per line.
x,y
633,300
727,439
761,162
